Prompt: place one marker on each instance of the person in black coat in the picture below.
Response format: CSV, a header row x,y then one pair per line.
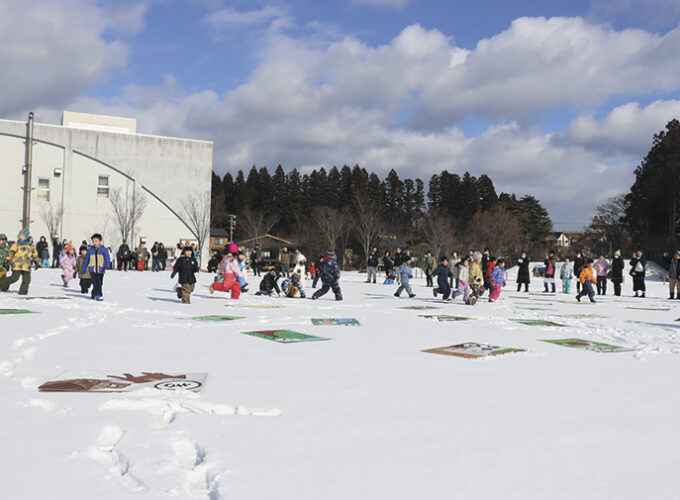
x,y
42,245
399,257
617,272
56,251
579,264
186,267
372,266
523,273
123,255
269,284
162,255
388,263
638,266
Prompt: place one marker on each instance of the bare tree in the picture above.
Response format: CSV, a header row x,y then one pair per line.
x,y
438,231
367,224
128,207
200,212
608,230
51,216
256,223
497,228
330,223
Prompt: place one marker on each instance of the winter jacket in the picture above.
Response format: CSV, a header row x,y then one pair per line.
x,y
464,273
490,266
289,288
567,270
285,258
388,264
399,258
162,253
372,260
213,264
405,272
498,276
97,260
523,273
638,271
142,253
299,257
330,271
68,263
79,266
476,276
587,274
270,282
242,267
602,268
442,273
550,262
4,257
154,252
229,266
674,268
429,264
186,268
123,252
56,247
453,266
617,270
22,255
579,264
40,246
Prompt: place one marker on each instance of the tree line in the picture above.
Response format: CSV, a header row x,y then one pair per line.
x,y
352,209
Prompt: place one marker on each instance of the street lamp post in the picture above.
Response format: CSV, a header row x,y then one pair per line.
x,y
28,170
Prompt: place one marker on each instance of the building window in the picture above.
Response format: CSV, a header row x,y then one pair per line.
x,y
43,189
103,186
219,241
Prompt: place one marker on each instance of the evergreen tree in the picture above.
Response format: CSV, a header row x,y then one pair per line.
x,y
487,192
434,194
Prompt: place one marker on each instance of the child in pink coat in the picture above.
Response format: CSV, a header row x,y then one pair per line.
x,y
67,262
227,277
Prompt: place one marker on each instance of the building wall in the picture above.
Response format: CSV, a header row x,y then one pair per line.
x,y
167,170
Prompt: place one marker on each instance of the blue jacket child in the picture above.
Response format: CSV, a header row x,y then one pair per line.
x,y
405,273
330,275
443,273
97,261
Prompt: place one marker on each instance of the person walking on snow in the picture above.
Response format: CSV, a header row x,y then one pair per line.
x,y
97,261
497,280
463,281
330,276
523,273
68,262
429,265
587,278
442,273
227,278
85,278
405,273
566,272
602,268
186,267
22,255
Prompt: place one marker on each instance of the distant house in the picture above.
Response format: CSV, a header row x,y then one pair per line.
x,y
270,246
565,240
218,239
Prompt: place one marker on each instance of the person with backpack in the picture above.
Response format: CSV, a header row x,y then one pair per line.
x,y
186,268
97,261
330,276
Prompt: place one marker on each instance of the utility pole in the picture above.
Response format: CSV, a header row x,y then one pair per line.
x,y
28,169
232,225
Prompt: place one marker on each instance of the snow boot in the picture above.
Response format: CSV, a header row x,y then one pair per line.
x,y
396,295
435,291
672,296
578,297
411,295
593,301
643,295
636,295
338,297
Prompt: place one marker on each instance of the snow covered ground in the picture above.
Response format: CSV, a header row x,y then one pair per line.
x,y
363,415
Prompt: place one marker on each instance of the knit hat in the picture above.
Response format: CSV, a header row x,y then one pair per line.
x,y
82,247
69,247
476,255
26,232
3,236
187,248
297,276
330,253
233,248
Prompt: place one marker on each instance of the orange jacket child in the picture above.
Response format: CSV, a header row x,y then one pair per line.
x,y
587,274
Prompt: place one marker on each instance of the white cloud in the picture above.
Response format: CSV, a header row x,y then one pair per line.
x,y
391,4
49,58
654,13
226,21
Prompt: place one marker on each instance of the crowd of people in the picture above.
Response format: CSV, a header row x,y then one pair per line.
x,y
469,276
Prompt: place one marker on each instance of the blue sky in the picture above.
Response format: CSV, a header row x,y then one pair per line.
x,y
529,92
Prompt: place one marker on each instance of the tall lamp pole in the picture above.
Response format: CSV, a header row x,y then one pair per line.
x,y
28,170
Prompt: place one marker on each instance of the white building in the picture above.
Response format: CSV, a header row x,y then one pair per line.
x,y
79,165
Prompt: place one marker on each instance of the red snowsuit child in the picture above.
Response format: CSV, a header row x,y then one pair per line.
x,y
230,272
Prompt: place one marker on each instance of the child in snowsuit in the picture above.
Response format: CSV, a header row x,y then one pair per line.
x,y
68,262
476,278
269,284
227,278
442,273
186,267
463,281
22,255
241,261
497,280
293,286
405,273
566,273
587,279
85,278
97,261
490,265
330,275
4,257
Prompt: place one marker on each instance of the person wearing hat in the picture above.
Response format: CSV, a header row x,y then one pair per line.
x,y
293,287
674,280
617,272
97,261
330,275
186,267
4,257
68,263
21,255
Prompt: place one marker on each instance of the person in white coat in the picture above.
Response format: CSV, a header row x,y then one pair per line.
x,y
301,267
